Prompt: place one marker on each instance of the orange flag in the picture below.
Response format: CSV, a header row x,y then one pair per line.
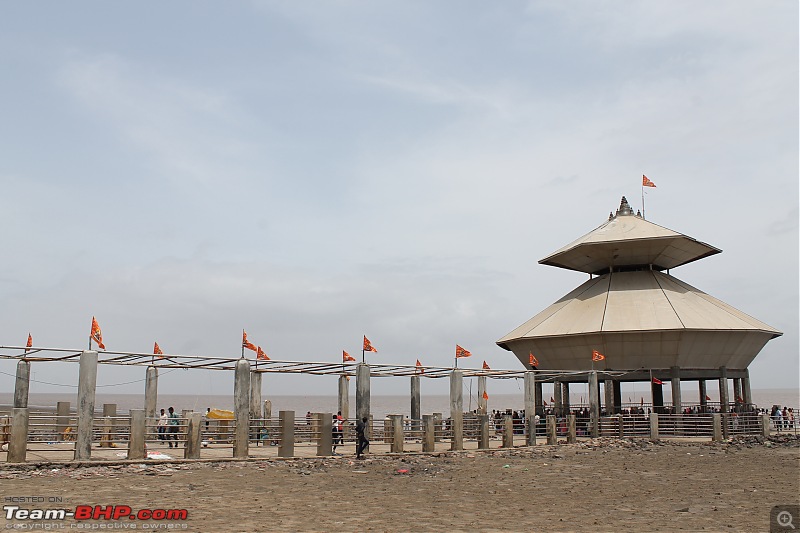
x,y
419,367
347,357
485,395
486,366
157,350
646,182
96,335
247,344
708,398
597,356
261,355
368,346
461,352
532,360
30,342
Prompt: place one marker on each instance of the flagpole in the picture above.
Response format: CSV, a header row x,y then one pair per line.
x,y
643,215
242,344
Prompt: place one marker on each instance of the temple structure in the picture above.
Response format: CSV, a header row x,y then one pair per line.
x,y
642,319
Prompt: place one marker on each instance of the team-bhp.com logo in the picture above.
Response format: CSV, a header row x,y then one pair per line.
x,y
94,512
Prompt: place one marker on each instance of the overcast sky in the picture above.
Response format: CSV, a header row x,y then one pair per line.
x,y
316,171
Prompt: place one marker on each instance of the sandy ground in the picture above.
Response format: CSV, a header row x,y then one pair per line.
x,y
602,485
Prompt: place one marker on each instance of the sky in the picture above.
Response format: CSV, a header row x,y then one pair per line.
x,y
317,171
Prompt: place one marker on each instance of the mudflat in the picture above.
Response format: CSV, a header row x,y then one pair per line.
x,y
598,485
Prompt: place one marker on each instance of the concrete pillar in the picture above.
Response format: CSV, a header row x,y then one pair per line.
x,y
136,441
268,409
572,434
416,404
537,391
594,405
483,439
105,432
325,434
765,424
62,418
621,425
241,408
344,396
508,431
616,390
551,430
398,436
716,427
529,382
457,409
675,381
437,420
110,423
725,419
723,389
192,449
151,393
654,425
18,445
703,392
737,391
565,403
362,391
482,403
608,388
87,383
747,396
255,395
109,409
286,447
657,392
22,384
428,433
557,404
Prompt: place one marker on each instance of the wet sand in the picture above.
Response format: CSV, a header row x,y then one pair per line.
x,y
603,485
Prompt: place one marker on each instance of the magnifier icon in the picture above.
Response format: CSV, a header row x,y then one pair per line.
x,y
784,519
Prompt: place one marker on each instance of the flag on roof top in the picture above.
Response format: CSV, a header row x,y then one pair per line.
x,y
260,354
157,350
347,357
419,367
532,360
29,343
461,352
597,356
646,182
96,335
247,344
486,366
368,347
657,381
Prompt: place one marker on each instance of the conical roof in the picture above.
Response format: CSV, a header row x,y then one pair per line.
x,y
628,241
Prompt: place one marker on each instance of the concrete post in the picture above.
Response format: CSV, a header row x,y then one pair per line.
x,y
255,395
675,381
428,433
416,404
105,433
565,403
136,441
437,421
529,383
192,450
483,439
398,436
241,408
286,447
725,418
594,405
716,427
151,393
508,431
62,418
723,389
325,435
482,403
362,391
737,391
344,397
457,409
746,393
557,404
22,384
537,391
621,425
765,424
18,445
551,430
572,434
608,389
654,425
268,409
109,427
87,383
703,392
616,386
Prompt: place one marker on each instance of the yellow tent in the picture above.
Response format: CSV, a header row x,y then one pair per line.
x,y
220,414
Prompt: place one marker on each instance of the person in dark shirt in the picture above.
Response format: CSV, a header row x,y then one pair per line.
x,y
361,434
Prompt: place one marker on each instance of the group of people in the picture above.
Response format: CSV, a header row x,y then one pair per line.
x,y
782,418
168,427
337,428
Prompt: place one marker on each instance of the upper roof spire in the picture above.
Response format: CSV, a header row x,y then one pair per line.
x,y
624,208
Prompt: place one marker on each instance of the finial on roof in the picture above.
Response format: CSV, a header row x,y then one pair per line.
x,y
638,213
624,208
610,215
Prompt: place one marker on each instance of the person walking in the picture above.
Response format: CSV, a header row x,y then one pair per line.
x,y
162,425
361,434
172,433
338,430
